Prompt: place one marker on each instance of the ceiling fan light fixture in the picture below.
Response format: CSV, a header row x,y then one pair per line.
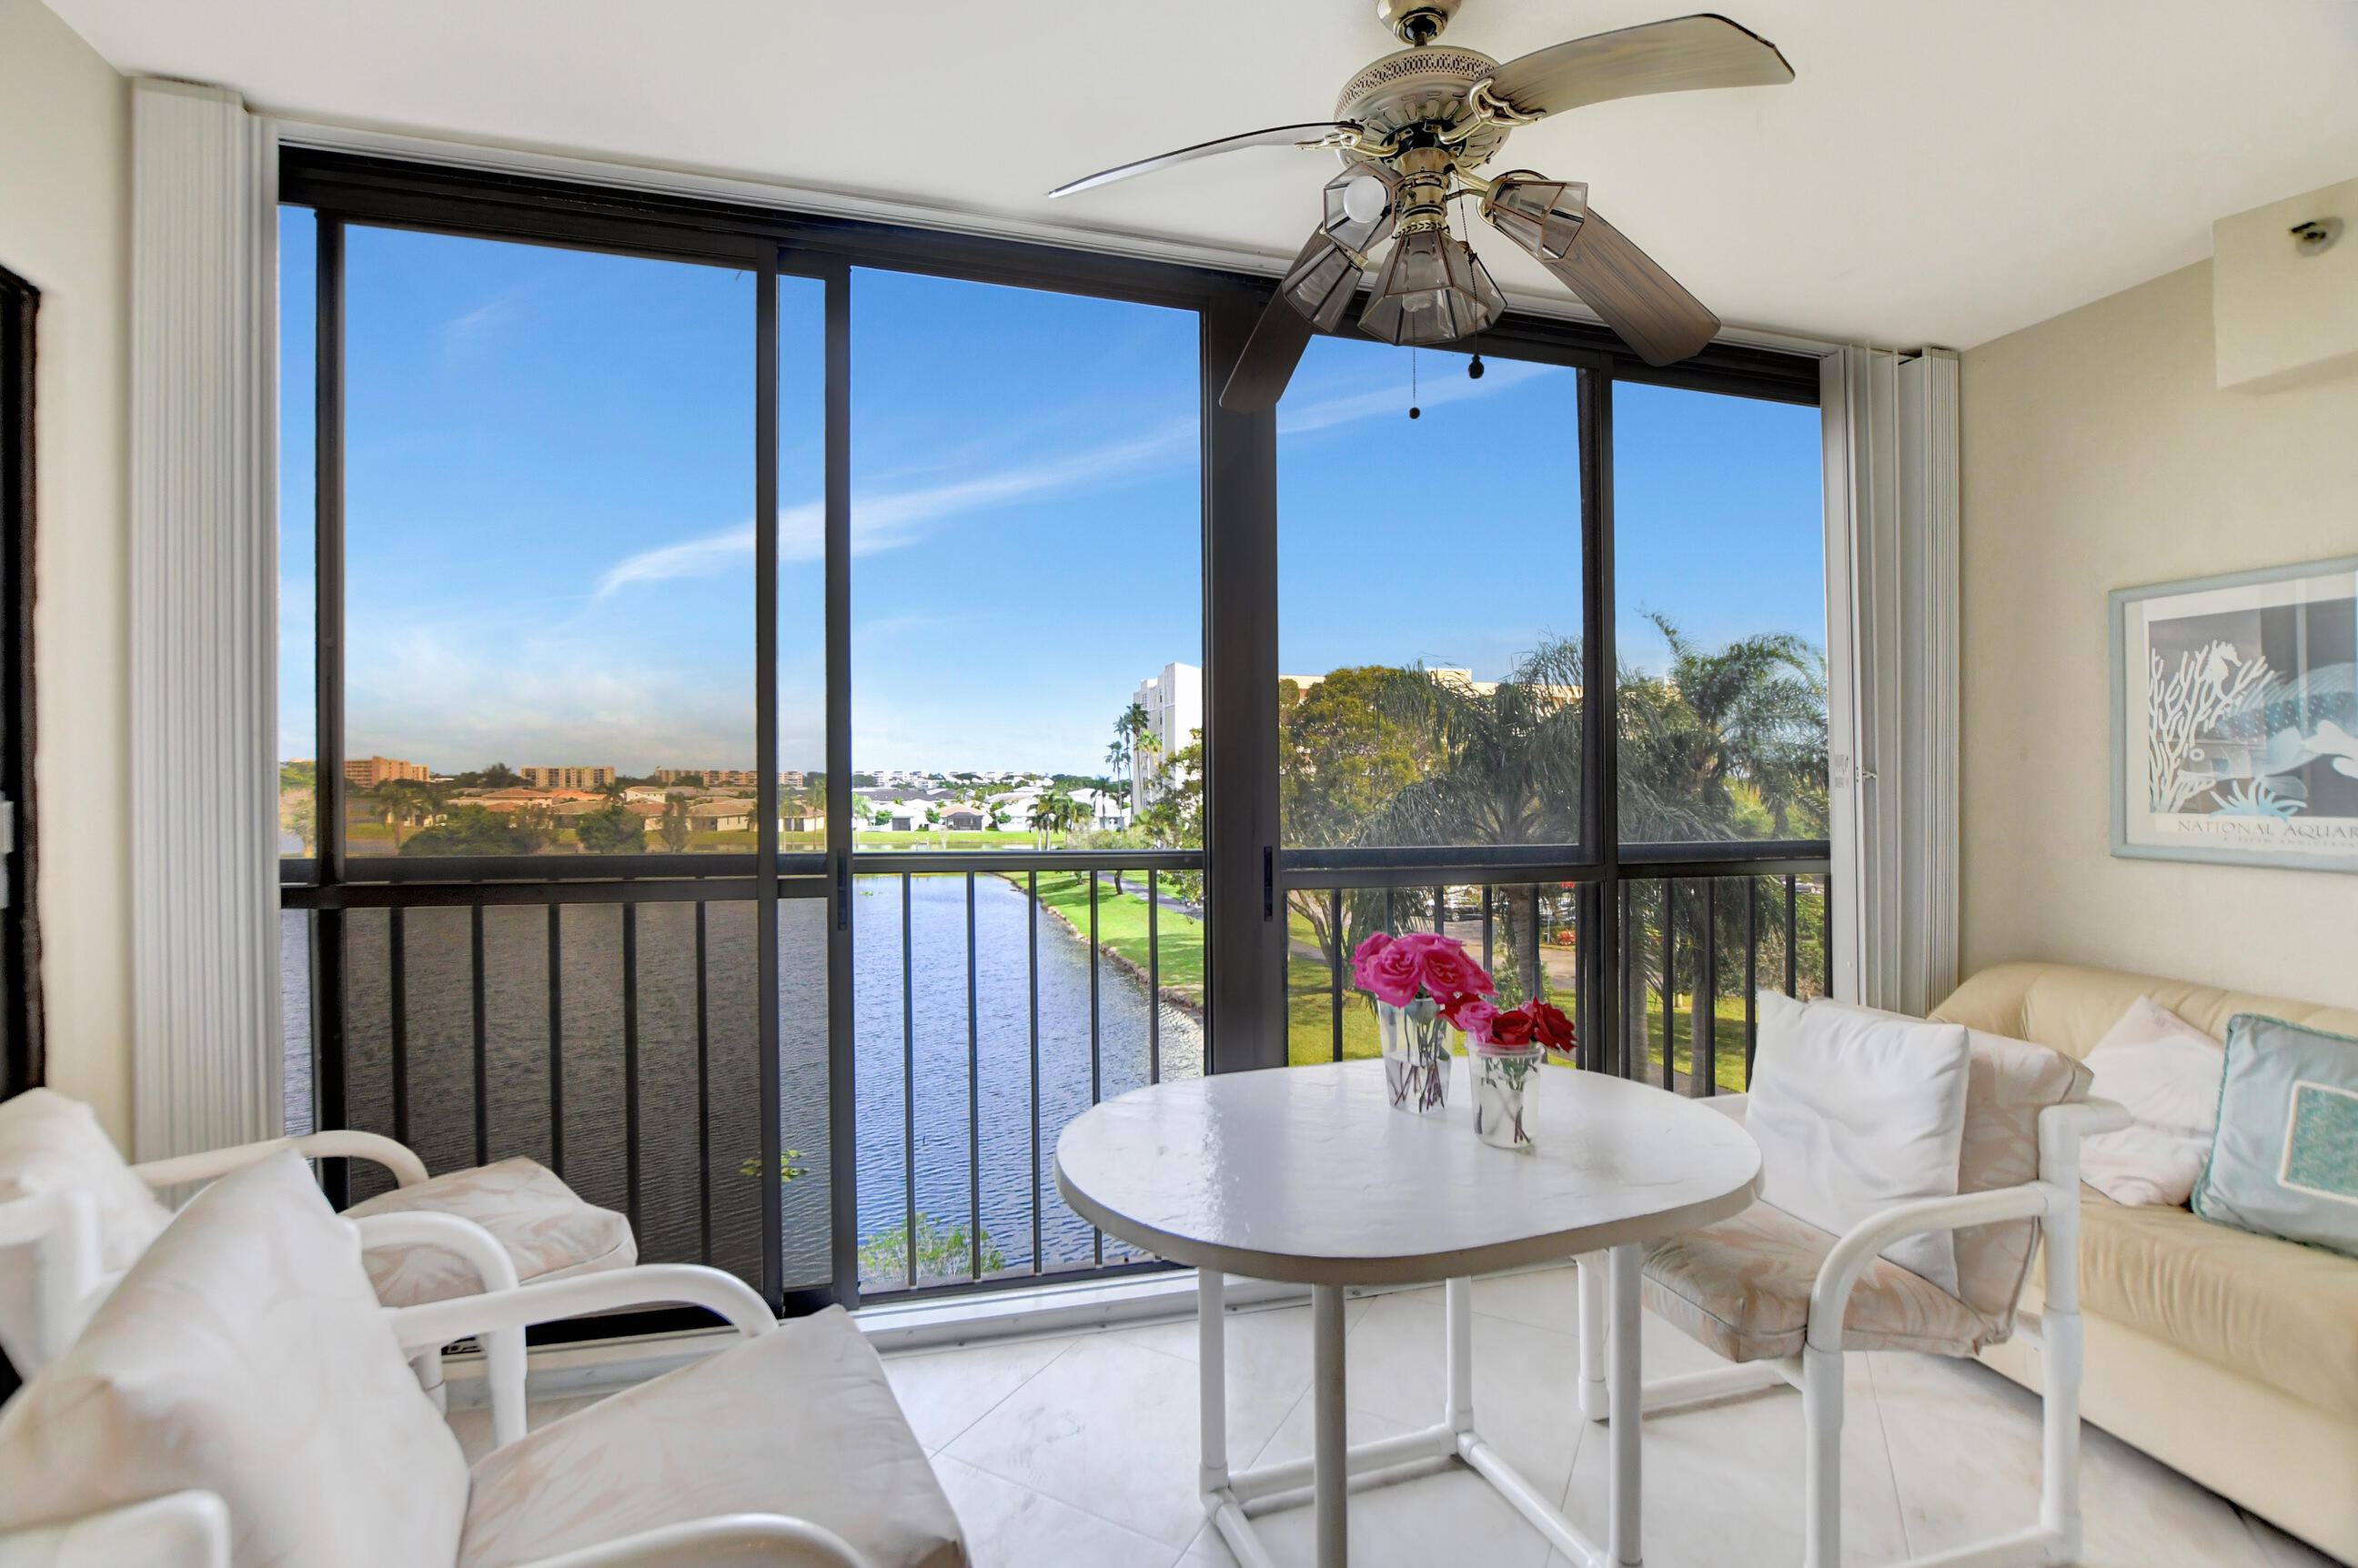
x,y
1432,288
1362,205
1321,282
1543,216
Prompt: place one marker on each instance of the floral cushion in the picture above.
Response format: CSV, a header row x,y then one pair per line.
x,y
799,1422
50,1143
546,1229
1742,1288
244,1354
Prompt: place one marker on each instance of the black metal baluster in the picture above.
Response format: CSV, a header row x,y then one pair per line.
x,y
556,1040
1826,934
1632,1018
397,980
1489,923
1751,976
1335,975
1097,1086
908,1091
1153,978
973,1104
1391,923
1031,975
1535,988
1703,1041
1670,982
631,1063
703,1095
482,1061
1792,949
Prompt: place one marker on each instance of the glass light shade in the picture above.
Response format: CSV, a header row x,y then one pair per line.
x,y
1543,216
1431,289
1361,205
1321,282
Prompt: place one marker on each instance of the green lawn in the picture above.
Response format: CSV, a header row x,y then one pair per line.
x,y
1121,925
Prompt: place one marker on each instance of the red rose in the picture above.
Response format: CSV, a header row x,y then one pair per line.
x,y
1550,1028
1512,1028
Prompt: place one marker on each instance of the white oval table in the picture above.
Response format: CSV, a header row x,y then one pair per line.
x,y
1308,1175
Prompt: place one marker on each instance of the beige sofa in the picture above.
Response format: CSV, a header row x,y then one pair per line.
x,y
2230,1357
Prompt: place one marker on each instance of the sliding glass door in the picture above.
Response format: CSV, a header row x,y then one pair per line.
x,y
779,715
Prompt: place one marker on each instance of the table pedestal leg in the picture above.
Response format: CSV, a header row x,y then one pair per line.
x,y
1212,1377
1627,1396
1330,1479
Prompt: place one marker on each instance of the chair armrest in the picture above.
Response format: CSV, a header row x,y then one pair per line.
x,y
503,1348
407,1169
430,1323
757,1541
182,1530
2060,1128
1863,1242
62,1229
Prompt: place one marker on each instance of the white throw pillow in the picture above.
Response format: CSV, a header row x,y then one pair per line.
x,y
50,1144
2166,1072
1854,1113
245,1354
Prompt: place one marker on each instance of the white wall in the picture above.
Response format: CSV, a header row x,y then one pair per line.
x,y
65,206
2098,454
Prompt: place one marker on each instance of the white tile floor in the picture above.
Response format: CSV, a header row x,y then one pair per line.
x,y
1079,1451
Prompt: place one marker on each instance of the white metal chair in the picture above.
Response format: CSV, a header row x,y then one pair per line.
x,y
785,1449
50,1144
1835,1295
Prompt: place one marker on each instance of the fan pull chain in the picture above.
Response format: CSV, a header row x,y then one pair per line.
x,y
1413,411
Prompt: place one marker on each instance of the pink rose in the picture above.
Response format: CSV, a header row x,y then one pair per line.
x,y
1364,954
1449,972
1475,1016
1392,974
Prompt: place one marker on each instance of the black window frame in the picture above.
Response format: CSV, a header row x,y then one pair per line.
x,y
1247,868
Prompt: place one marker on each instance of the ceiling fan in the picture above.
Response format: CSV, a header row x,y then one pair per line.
x,y
1411,128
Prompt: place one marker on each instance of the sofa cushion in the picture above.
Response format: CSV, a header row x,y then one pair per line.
x,y
798,1421
1856,1111
2277,1312
50,1144
2069,1006
2165,1073
1742,1288
244,1354
547,1230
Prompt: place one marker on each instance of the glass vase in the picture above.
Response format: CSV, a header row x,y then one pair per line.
x,y
1503,1082
1416,1054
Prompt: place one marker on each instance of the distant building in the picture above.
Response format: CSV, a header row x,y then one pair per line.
x,y
567,778
724,778
647,793
720,816
1174,701
380,770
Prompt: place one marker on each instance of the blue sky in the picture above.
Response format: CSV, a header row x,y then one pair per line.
x,y
549,512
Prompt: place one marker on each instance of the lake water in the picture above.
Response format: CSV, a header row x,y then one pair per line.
x,y
675,1207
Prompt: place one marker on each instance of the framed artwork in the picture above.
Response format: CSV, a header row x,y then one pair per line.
x,y
2235,718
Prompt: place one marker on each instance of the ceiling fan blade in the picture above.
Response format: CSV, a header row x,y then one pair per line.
x,y
1269,356
1637,299
1677,56
1275,136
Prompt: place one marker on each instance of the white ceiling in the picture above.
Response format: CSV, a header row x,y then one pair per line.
x,y
1937,173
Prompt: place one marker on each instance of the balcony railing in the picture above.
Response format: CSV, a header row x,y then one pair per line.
x,y
599,1016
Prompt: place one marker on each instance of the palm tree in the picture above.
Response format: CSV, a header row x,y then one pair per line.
x,y
1747,718
403,800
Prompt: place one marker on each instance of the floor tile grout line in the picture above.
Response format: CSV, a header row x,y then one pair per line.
x,y
1090,1514
1014,1390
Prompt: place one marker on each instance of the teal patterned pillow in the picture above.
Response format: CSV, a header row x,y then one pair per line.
x,y
2284,1159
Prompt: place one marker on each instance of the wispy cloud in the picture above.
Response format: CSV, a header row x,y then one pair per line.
x,y
463,333
894,519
